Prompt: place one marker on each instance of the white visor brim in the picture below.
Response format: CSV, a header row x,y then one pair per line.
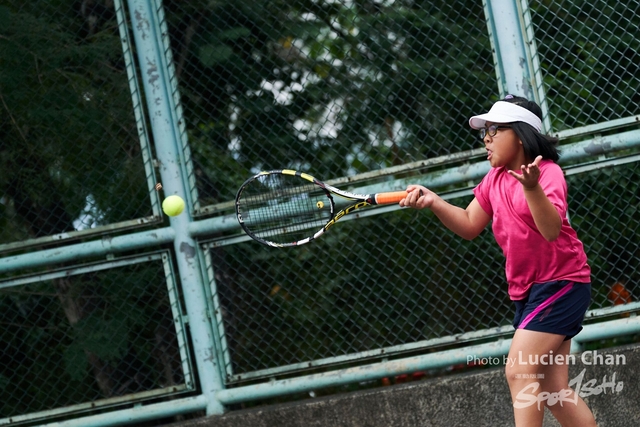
x,y
506,112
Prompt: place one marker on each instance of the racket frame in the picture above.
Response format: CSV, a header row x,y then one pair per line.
x,y
362,200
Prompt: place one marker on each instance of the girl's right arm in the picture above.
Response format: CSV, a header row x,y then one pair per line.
x,y
467,223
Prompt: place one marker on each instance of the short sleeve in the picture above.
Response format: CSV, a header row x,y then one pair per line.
x,y
482,194
554,186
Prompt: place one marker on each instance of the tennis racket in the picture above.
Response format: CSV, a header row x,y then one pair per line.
x,y
285,207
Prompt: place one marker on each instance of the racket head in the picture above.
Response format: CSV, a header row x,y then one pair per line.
x,y
283,207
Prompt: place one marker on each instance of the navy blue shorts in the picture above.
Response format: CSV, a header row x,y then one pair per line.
x,y
554,307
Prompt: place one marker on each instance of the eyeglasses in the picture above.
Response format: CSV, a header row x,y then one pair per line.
x,y
492,130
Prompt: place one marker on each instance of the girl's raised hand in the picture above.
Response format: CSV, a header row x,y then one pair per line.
x,y
530,174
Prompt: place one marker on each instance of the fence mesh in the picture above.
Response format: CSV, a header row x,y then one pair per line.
x,y
332,87
604,207
401,278
396,278
335,88
372,283
90,334
589,60
71,156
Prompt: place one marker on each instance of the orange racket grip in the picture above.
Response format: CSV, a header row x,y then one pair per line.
x,y
390,197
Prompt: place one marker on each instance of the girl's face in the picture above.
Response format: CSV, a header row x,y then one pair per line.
x,y
504,148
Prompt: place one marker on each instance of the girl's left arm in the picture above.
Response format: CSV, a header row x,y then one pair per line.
x,y
545,215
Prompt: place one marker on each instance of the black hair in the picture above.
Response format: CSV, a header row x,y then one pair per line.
x,y
534,143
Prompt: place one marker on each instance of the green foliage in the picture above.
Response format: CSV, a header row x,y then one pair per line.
x,y
368,284
334,88
68,133
589,60
606,215
85,337
106,338
402,79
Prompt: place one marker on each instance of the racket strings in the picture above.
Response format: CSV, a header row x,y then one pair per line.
x,y
283,208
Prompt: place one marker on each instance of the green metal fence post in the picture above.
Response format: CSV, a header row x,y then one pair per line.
x,y
507,40
514,52
164,125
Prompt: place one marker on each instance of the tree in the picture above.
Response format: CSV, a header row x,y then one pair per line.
x,y
68,134
331,87
70,158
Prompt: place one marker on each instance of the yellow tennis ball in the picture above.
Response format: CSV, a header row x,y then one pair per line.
x,y
320,205
173,205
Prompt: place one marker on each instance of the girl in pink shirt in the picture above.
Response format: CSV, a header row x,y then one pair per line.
x,y
524,195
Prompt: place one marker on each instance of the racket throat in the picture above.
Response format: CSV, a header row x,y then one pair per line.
x,y
346,211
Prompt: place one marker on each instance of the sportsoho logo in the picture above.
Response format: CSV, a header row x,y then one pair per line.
x,y
527,396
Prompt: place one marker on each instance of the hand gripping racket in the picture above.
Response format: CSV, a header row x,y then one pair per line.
x,y
289,208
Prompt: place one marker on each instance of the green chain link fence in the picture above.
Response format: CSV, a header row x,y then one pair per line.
x,y
368,89
588,58
90,333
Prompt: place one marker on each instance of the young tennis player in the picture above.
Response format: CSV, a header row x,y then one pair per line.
x,y
525,196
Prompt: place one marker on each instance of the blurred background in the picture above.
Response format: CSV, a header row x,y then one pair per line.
x,y
376,91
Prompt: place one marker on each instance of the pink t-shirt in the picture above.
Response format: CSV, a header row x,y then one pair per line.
x,y
529,257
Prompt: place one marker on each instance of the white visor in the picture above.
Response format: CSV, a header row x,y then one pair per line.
x,y
506,112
